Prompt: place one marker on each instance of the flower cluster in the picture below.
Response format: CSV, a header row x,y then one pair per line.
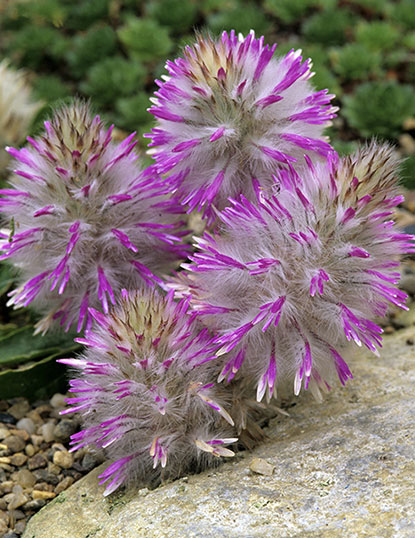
x,y
302,258
17,109
87,220
288,280
146,391
229,113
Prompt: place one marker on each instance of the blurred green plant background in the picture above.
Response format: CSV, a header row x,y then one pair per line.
x,y
110,51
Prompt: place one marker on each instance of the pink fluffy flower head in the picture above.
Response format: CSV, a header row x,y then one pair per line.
x,y
87,220
291,279
229,112
147,393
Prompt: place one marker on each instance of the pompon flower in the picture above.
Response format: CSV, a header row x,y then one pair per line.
x,y
17,109
229,112
86,221
294,277
146,391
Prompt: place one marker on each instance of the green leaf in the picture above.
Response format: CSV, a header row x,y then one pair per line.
x,y
36,381
21,345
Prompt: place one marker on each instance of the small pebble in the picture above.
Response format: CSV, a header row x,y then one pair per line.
x,y
36,462
18,459
37,440
260,466
4,516
25,478
34,415
18,498
64,484
43,409
27,425
14,443
47,431
35,504
30,450
64,429
20,527
58,401
3,527
6,418
5,459
11,534
21,433
63,459
89,462
19,409
4,433
45,495
42,475
6,486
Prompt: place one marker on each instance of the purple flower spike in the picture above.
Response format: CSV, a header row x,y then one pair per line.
x,y
88,221
231,113
287,283
147,393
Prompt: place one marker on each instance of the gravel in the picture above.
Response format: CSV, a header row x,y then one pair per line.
x,y
35,464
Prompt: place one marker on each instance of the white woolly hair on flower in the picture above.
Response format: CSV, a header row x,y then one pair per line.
x,y
289,280
146,391
17,108
87,221
229,112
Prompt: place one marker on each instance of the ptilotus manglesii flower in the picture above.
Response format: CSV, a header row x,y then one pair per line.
x,y
229,112
87,221
289,280
146,391
17,109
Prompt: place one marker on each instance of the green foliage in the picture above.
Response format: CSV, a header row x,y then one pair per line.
x,y
356,62
379,108
288,11
242,17
409,40
329,27
20,345
377,35
113,77
38,380
82,15
402,12
132,111
372,6
344,147
145,39
43,12
89,48
36,47
50,88
178,15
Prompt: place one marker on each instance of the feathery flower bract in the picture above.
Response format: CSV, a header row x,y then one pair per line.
x,y
290,279
87,221
17,109
146,391
229,112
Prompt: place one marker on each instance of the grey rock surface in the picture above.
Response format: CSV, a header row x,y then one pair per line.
x,y
342,468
